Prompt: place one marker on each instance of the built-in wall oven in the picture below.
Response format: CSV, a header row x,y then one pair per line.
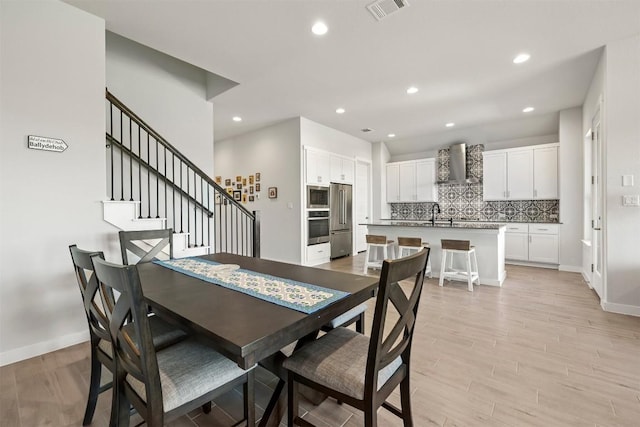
x,y
317,227
317,197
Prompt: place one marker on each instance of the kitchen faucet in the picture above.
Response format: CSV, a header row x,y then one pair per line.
x,y
435,207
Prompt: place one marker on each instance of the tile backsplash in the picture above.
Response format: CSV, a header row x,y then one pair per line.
x,y
464,202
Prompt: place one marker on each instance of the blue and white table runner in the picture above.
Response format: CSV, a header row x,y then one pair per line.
x,y
299,296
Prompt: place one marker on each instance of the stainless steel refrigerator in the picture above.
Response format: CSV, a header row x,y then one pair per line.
x,y
340,208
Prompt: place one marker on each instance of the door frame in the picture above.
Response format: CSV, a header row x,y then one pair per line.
x,y
368,164
598,204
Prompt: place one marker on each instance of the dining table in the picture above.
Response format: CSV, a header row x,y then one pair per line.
x,y
244,328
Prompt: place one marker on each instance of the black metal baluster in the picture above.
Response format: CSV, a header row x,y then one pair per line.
x,y
202,210
187,209
130,161
195,211
121,163
164,158
148,179
208,219
173,187
157,183
180,210
111,144
139,173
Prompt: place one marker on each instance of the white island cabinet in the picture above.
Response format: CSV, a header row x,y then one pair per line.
x,y
488,240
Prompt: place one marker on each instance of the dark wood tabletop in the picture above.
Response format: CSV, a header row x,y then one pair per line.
x,y
244,328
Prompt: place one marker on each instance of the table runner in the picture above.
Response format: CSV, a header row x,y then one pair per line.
x,y
299,296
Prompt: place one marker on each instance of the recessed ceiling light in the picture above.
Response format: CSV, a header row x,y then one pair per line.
x,y
392,135
528,109
450,124
522,57
319,28
412,90
340,110
237,119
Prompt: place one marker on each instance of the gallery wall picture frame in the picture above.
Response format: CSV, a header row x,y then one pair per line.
x,y
251,189
218,180
257,186
244,181
227,182
250,179
238,178
237,195
238,186
257,176
273,192
251,198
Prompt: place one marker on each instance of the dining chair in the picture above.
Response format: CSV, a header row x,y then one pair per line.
x,y
163,333
360,371
165,384
146,245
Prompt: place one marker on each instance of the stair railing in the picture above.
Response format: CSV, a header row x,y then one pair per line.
x,y
144,167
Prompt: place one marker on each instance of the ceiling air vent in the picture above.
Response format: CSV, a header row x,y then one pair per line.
x,y
380,9
365,130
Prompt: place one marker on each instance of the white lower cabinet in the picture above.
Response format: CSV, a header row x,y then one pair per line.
x,y
318,254
532,242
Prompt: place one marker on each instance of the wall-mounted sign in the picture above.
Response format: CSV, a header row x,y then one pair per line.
x,y
46,143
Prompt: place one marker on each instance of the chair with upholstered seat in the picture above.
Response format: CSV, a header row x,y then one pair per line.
x,y
146,245
360,371
161,385
164,334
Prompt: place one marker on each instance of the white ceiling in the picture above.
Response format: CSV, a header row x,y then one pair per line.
x,y
457,52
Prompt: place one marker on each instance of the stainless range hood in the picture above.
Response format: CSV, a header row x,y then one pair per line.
x,y
458,166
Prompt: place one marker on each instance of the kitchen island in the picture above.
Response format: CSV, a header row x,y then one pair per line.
x,y
488,239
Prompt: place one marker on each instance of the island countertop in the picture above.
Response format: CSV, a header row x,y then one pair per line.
x,y
439,224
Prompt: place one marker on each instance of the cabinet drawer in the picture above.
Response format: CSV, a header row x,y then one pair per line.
x,y
543,228
517,228
318,252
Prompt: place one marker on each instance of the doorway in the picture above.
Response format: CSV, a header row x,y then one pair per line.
x,y
597,201
362,200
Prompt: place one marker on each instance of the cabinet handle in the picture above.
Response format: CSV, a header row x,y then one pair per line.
x,y
543,229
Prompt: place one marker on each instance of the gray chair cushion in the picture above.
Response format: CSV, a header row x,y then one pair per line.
x,y
338,361
345,317
189,370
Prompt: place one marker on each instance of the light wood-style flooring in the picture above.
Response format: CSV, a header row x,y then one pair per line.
x,y
537,352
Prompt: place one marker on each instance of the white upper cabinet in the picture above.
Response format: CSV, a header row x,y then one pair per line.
x,y
521,173
545,173
494,179
318,167
412,181
426,187
393,183
342,170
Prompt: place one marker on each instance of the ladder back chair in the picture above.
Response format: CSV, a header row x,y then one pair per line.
x,y
146,245
163,333
165,384
360,371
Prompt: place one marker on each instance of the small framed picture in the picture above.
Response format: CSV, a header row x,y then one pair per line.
x,y
230,191
257,176
237,195
238,178
227,182
273,192
251,199
218,180
257,186
244,198
238,186
218,199
250,179
251,189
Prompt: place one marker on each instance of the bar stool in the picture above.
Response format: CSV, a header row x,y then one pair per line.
x,y
408,245
375,242
463,247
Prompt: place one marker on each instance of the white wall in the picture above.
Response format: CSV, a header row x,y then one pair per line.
x,y
168,94
314,134
275,152
570,177
52,84
622,145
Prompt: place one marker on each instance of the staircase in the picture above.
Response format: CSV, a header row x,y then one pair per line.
x,y
152,185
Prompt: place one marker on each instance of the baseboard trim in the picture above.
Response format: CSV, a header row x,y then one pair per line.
x,y
531,264
37,349
631,310
570,268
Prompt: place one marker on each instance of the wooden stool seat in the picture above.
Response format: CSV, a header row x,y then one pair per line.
x,y
409,245
374,242
450,248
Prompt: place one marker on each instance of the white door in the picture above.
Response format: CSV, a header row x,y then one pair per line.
x,y
597,193
362,204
